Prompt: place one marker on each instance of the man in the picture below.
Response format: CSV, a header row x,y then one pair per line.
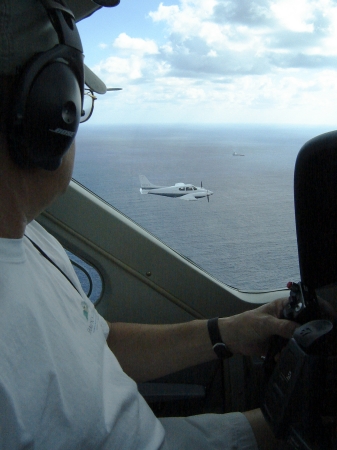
x,y
67,378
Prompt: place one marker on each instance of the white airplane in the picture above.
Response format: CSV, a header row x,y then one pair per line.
x,y
180,190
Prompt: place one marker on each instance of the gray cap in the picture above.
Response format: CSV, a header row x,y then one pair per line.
x,y
25,30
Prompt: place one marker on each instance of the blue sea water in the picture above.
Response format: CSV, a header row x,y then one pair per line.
x,y
245,236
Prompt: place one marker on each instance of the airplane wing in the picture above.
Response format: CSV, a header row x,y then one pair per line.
x,y
189,197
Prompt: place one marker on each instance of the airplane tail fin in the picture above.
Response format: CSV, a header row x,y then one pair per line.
x,y
145,185
144,182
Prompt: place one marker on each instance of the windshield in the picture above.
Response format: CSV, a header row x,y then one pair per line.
x,y
198,79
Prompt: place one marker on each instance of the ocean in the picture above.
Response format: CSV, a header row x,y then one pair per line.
x,y
245,235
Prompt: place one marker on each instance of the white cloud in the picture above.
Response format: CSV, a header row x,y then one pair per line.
x,y
260,59
118,70
296,16
212,54
139,45
167,13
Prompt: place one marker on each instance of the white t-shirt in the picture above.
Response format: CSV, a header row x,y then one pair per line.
x,y
60,385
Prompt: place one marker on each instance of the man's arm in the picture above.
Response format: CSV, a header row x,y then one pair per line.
x,y
147,352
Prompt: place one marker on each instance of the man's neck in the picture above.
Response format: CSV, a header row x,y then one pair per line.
x,y
13,217
25,193
13,221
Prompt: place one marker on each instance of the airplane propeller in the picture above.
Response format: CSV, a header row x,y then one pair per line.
x,y
207,195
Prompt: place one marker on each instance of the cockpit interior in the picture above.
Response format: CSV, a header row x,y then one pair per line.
x,y
132,275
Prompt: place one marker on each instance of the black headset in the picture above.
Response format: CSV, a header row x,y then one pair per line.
x,y
48,97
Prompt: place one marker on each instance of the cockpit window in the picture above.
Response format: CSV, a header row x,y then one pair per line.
x,y
181,189
174,67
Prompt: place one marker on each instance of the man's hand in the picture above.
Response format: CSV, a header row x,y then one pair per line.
x,y
249,333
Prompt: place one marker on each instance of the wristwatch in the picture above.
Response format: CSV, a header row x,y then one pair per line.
x,y
219,347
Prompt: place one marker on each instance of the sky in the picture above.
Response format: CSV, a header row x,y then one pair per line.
x,y
215,61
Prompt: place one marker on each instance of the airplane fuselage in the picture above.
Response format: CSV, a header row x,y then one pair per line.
x,y
175,191
179,190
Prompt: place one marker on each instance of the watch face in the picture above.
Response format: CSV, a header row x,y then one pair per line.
x,y
222,351
107,2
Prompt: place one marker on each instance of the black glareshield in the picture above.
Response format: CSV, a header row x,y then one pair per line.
x,y
300,398
315,195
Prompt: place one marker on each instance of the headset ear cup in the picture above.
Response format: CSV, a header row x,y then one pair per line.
x,y
43,133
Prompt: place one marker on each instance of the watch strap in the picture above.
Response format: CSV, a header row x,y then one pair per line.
x,y
219,347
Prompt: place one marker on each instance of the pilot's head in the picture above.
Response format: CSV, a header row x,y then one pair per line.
x,y
41,81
